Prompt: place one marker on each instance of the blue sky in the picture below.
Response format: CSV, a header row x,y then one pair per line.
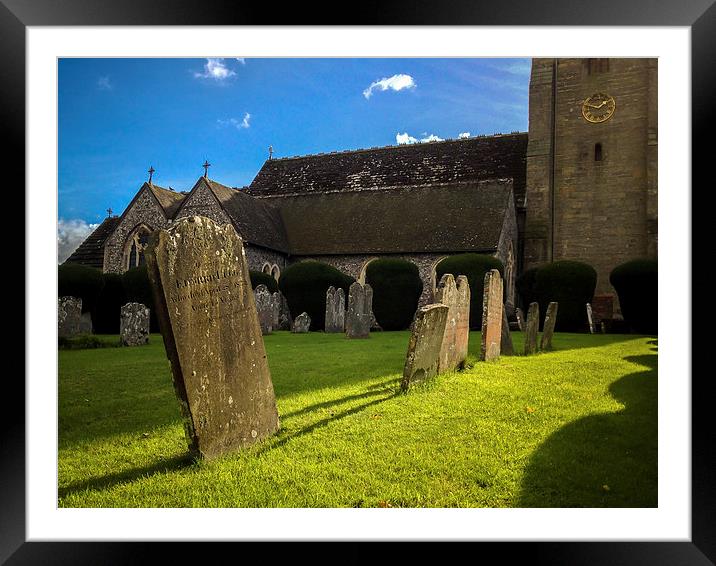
x,y
119,116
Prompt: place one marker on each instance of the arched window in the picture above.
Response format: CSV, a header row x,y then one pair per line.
x,y
275,272
135,246
266,268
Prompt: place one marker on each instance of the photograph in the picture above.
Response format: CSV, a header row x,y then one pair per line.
x,y
357,282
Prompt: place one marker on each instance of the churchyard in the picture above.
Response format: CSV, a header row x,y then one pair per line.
x,y
300,418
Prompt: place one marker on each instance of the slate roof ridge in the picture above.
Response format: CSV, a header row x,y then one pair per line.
x,y
397,146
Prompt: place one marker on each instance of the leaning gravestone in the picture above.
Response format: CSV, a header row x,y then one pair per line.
x,y
360,310
264,308
550,319
532,327
423,358
335,310
69,312
506,347
301,323
492,308
590,318
133,324
456,297
209,322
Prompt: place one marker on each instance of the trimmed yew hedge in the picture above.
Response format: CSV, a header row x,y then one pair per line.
x,y
304,285
397,288
571,284
81,281
636,283
473,266
105,317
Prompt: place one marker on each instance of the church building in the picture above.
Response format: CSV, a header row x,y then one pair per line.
x,y
581,184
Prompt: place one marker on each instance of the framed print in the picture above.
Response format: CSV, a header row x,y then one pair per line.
x,y
325,122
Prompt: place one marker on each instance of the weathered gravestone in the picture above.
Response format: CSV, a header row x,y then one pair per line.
x,y
285,321
506,347
133,324
492,308
550,319
69,312
590,318
520,319
423,358
275,310
335,310
301,323
86,323
264,308
360,311
209,322
531,329
456,297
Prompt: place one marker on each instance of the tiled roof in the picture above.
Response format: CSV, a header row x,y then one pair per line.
x,y
168,199
451,218
433,163
91,251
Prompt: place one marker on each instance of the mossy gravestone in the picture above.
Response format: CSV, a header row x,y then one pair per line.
x,y
212,337
455,296
133,324
360,311
531,328
301,324
491,316
335,310
264,308
550,319
69,311
423,358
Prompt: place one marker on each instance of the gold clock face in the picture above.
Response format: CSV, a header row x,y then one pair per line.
x,y
598,108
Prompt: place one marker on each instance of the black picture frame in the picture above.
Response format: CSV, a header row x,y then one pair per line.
x,y
699,15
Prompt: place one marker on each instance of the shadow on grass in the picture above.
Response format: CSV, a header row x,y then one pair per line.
x,y
606,460
110,480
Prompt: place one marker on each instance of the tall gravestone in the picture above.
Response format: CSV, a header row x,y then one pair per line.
x,y
275,310
285,320
335,310
301,324
456,297
492,308
264,308
520,319
69,312
590,318
423,358
209,322
550,319
506,347
531,329
360,310
133,324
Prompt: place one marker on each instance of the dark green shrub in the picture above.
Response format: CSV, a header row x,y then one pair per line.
x,y
525,285
396,287
304,285
261,278
76,280
105,317
571,284
474,267
138,289
636,283
84,342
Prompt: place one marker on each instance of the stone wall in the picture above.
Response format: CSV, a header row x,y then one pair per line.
x,y
144,210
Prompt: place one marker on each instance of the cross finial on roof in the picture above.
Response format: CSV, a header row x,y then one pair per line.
x,y
151,172
109,213
206,168
270,151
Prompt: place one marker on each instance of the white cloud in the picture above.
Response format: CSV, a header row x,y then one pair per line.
x,y
463,135
235,122
70,234
396,83
241,60
104,84
215,69
405,138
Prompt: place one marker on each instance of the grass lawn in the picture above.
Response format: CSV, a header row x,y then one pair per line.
x,y
576,427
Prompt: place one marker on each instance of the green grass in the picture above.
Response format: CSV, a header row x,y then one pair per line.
x,y
575,427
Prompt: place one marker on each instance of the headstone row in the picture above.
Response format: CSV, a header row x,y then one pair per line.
x,y
532,328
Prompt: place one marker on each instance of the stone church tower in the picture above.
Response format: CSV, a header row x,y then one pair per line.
x,y
592,165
